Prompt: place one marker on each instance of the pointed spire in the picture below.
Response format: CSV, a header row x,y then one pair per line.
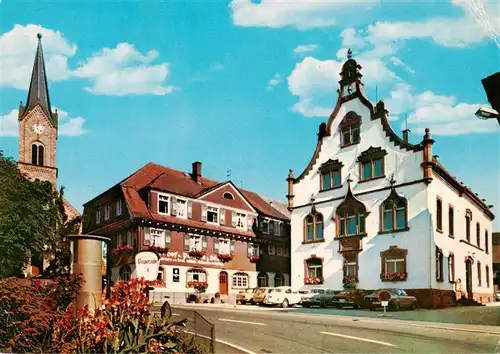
x,y
39,92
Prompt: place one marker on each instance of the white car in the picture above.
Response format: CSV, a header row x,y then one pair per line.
x,y
284,296
307,295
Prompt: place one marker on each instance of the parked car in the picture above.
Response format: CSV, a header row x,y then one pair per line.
x,y
399,299
260,295
308,294
497,296
246,296
283,295
324,299
350,298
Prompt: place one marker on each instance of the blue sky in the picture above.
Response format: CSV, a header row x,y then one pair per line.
x,y
243,85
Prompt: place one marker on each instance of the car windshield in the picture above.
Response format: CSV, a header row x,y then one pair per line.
x,y
317,291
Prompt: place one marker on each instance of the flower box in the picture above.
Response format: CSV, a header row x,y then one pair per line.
x,y
397,276
128,249
349,282
313,280
196,254
200,286
224,258
254,259
158,249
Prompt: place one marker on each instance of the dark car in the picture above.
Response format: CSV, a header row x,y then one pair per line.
x,y
399,300
349,298
323,299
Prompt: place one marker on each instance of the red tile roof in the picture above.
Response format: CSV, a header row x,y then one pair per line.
x,y
162,178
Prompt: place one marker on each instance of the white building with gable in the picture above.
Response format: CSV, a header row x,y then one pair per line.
x,y
371,210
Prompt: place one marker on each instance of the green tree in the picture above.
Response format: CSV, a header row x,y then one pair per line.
x,y
29,216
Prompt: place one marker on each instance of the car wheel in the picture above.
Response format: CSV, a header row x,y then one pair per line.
x,y
355,306
322,304
284,304
306,305
413,305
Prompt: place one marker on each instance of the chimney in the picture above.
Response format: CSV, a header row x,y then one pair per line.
x,y
405,135
196,174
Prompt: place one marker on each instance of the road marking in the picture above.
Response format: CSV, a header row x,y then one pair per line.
x,y
247,322
223,342
175,314
357,338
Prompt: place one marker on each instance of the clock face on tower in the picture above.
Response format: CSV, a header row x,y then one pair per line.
x,y
37,128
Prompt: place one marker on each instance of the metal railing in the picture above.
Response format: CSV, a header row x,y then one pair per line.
x,y
199,332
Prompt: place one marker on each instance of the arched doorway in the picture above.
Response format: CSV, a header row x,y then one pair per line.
x,y
262,280
279,280
223,283
468,278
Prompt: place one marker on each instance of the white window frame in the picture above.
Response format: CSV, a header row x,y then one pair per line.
x,y
240,280
265,226
107,211
157,237
211,209
181,208
98,216
195,243
393,262
271,250
350,268
224,246
201,274
119,207
241,221
254,249
279,251
164,198
314,268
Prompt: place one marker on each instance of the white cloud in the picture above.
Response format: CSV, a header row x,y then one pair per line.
x,y
18,47
315,82
305,48
398,62
275,81
68,126
441,114
124,70
297,13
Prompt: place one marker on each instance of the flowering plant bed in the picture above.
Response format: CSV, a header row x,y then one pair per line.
x,y
397,276
196,254
254,259
313,280
200,286
128,249
349,281
158,249
224,258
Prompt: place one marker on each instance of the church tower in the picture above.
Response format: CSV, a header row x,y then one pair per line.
x,y
38,127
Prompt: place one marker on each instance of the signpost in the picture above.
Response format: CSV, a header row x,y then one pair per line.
x,y
384,297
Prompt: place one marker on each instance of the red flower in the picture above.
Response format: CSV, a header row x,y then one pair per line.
x,y
225,257
254,259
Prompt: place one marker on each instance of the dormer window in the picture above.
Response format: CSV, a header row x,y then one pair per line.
x,y
371,164
331,176
228,195
350,129
163,204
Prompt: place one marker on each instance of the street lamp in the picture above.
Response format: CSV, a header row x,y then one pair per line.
x,y
491,86
487,113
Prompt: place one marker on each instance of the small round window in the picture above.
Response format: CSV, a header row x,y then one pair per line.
x,y
228,195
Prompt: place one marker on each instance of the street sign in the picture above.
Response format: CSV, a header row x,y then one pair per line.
x,y
147,265
384,303
384,295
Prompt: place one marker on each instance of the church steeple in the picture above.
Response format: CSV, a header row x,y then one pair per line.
x,y
39,92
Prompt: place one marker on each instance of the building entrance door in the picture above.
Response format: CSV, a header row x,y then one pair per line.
x,y
468,278
223,283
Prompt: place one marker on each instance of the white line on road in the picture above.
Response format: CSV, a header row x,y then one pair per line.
x,y
223,342
357,338
247,322
175,314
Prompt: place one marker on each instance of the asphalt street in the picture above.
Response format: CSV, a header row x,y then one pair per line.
x,y
280,332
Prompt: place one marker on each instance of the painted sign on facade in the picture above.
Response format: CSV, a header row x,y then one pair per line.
x,y
183,257
146,265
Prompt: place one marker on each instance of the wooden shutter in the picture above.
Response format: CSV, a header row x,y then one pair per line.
x,y
216,245
204,243
233,246
250,219
167,238
222,216
173,206
186,242
234,219
190,209
279,227
147,236
203,212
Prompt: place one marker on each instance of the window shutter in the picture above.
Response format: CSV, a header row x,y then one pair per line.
x,y
279,227
147,236
186,242
167,238
204,242
250,219
216,245
190,209
203,212
232,246
173,206
222,216
234,220
249,249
